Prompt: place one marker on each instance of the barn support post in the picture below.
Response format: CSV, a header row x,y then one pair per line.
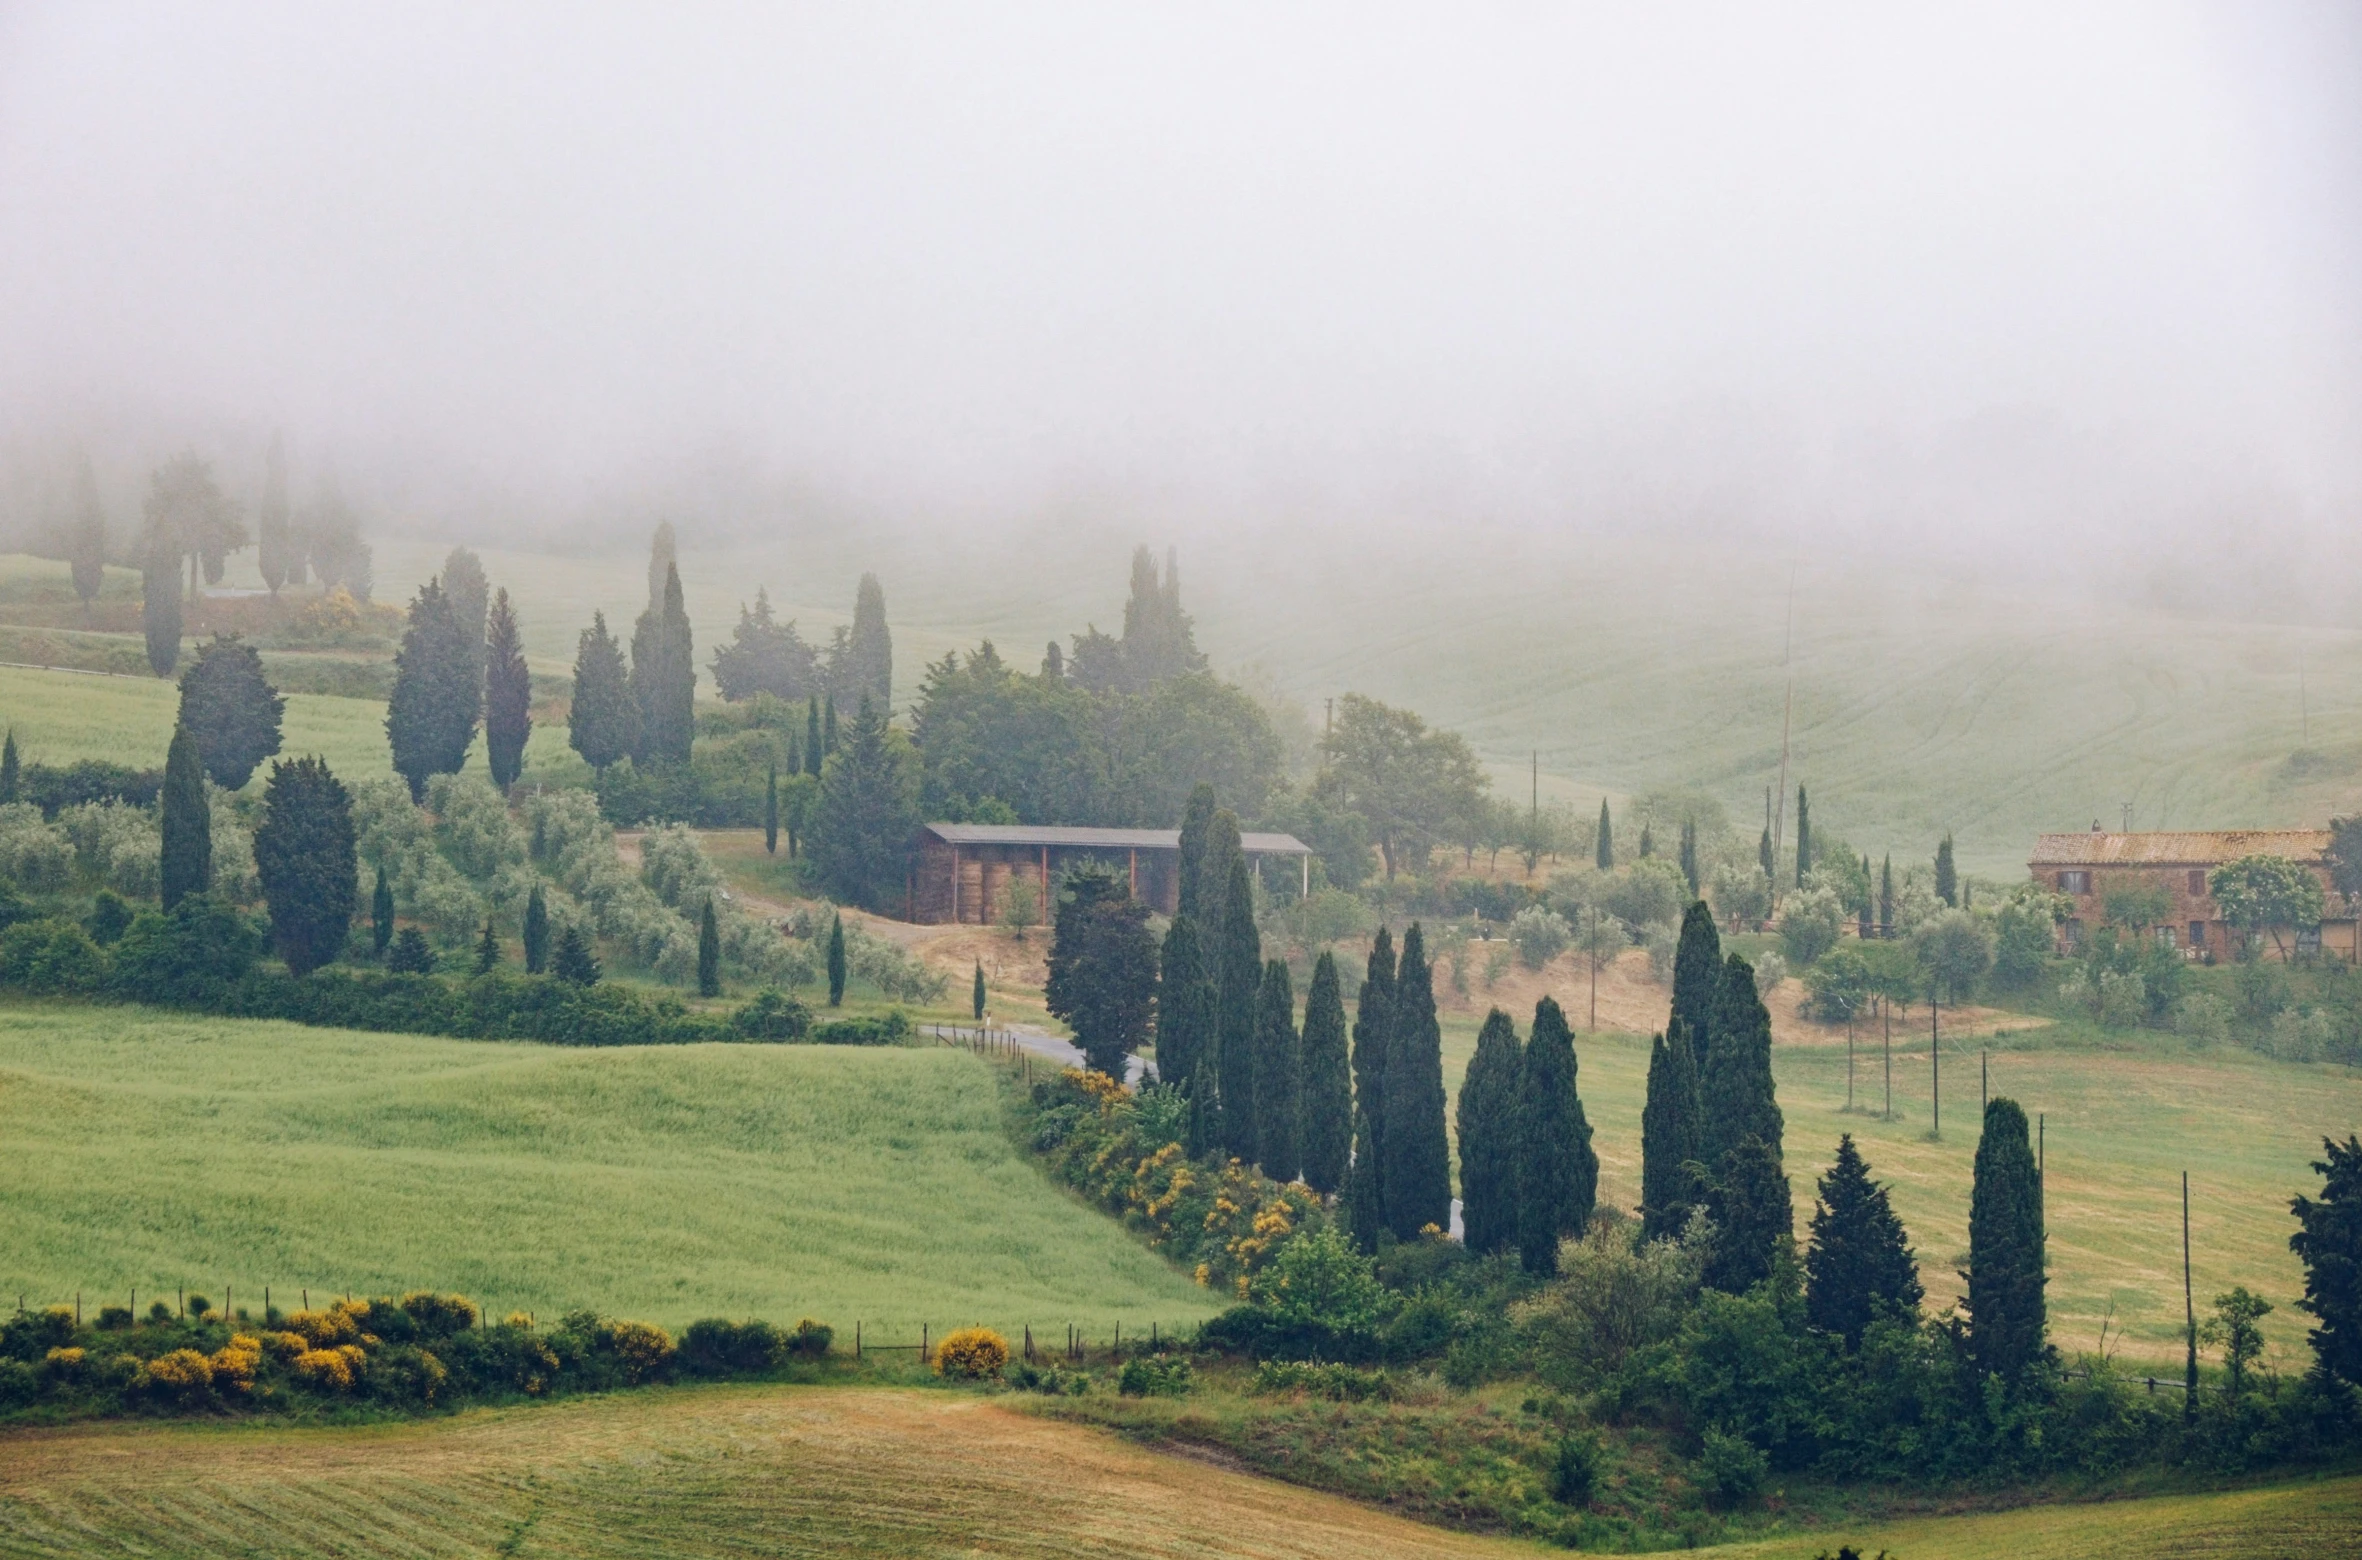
x,y
955,885
1304,865
1132,870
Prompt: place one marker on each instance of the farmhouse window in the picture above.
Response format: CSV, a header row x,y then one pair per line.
x,y
2074,882
2308,939
2197,934
2197,884
2166,936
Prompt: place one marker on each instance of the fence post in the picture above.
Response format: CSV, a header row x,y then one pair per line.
x,y
1029,1343
922,1343
857,1338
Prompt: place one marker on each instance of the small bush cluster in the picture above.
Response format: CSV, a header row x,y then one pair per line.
x,y
417,1350
972,1353
1155,1375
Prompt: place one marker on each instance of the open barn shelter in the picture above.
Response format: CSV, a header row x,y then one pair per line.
x,y
964,869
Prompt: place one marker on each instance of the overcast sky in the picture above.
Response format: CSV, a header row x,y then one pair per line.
x,y
2061,272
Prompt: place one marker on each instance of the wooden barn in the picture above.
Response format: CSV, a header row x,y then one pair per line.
x,y
964,869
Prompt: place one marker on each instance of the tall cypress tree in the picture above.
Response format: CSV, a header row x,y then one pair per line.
x,y
1187,1007
1490,1117
1864,927
1697,980
1735,1087
1947,880
11,770
1239,985
230,707
603,724
1197,823
869,649
86,542
572,960
771,811
813,751
159,603
1669,1147
1365,1210
1754,1222
1763,856
536,931
664,679
187,821
709,952
1206,1134
1418,1159
1373,1029
1326,1116
1279,1076
381,914
1689,855
508,693
1648,841
271,547
1886,896
2006,1263
487,950
976,994
836,961
431,715
1604,841
828,726
303,853
1558,1171
1804,836
663,558
1860,1266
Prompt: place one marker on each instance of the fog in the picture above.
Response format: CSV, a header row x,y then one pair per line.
x,y
2049,286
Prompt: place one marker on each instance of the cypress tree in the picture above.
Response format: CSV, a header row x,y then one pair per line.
x,y
1697,980
664,679
1763,855
1373,1027
603,725
1754,1224
1669,1148
232,710
663,558
270,519
1365,1212
861,822
1605,853
573,961
187,862
976,994
159,603
1418,1160
1102,969
431,715
1886,896
1735,1086
1558,1171
1239,987
869,648
508,694
828,726
303,853
11,770
1197,823
1863,926
2329,1243
536,931
1804,836
1860,1266
471,598
1490,1116
1206,1135
487,950
410,955
381,914
86,543
813,752
1326,1115
1648,841
709,952
771,811
1187,1007
1689,855
1947,881
2005,1248
836,960
1279,1076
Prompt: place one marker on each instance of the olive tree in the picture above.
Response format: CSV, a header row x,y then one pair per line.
x,y
2268,894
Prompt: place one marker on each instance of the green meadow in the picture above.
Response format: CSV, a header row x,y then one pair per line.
x,y
150,1151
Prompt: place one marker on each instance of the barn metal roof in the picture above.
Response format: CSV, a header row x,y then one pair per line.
x,y
1101,839
2176,848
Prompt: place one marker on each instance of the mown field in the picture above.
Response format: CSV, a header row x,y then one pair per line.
x,y
153,1151
746,1471
2122,1124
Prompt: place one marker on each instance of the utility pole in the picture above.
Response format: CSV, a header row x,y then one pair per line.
x,y
2128,817
2189,1310
1787,715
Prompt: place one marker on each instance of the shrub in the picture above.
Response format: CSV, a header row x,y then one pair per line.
x,y
715,1347
437,1316
114,1318
109,918
1155,1376
1339,1383
1319,1277
51,958
64,1364
892,1029
1540,934
35,855
1770,970
180,1376
331,1370
772,1015
1809,924
30,1335
1574,1478
1730,1470
810,1338
199,945
235,1363
340,1323
972,1352
640,1349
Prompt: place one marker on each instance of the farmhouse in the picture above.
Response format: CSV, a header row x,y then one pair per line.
x,y
2087,867
964,869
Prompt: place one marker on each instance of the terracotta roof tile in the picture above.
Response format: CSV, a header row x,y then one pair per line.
x,y
2176,848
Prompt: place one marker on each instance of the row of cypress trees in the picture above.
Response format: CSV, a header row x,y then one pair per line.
x,y
1711,1134
462,658
1528,1174
1401,1177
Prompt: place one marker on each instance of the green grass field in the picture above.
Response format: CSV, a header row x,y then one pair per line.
x,y
2122,1126
60,717
150,1151
748,1471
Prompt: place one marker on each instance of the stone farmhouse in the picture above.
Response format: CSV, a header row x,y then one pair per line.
x,y
2085,867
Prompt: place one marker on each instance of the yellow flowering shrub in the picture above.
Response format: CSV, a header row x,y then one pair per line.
x,y
235,1363
522,1321
65,1364
641,1348
334,1369
184,1373
340,1323
972,1352
286,1345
